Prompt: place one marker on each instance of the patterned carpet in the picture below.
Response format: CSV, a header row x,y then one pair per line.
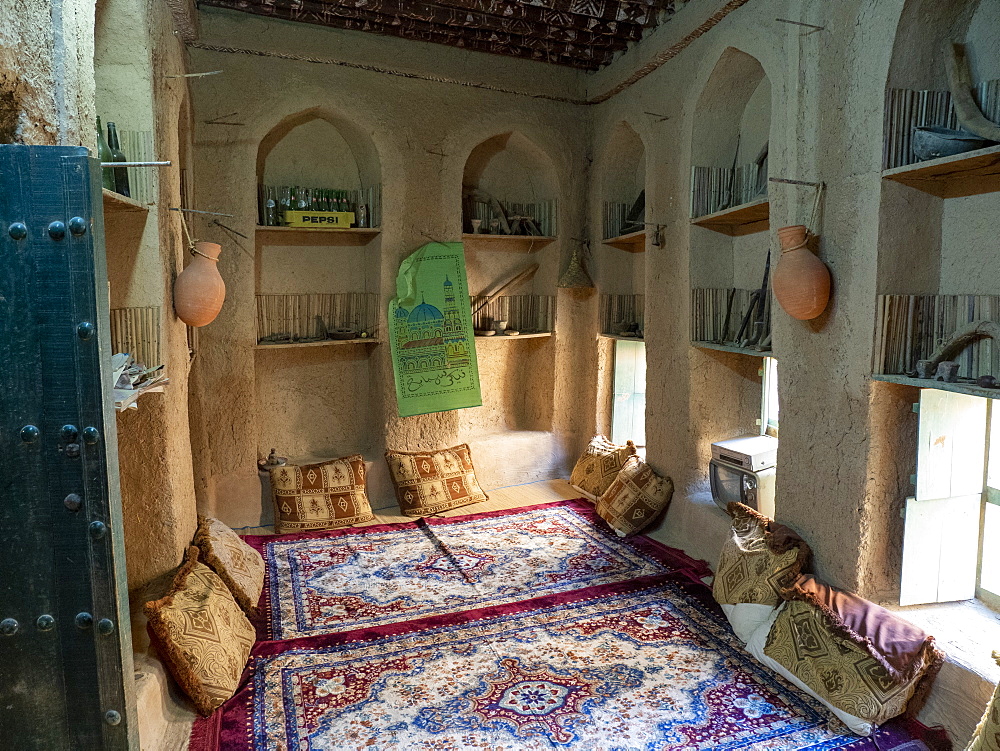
x,y
535,628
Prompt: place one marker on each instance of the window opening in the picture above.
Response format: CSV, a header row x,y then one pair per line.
x,y
769,398
628,416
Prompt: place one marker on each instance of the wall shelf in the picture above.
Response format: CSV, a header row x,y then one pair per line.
x,y
633,242
512,338
732,348
515,243
354,236
746,219
969,174
322,343
928,383
116,203
620,338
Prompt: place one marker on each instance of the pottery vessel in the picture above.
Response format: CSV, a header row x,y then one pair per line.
x,y
801,281
931,142
199,290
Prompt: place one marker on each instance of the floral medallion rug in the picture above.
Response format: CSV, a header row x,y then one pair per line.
x,y
612,645
329,582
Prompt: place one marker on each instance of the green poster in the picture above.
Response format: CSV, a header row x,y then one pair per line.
x,y
430,332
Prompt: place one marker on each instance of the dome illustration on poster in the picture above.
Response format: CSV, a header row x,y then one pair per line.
x,y
431,335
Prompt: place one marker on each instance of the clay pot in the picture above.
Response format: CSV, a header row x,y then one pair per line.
x,y
801,281
199,290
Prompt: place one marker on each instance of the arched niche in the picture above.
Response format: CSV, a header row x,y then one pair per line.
x,y
732,119
929,245
317,148
731,126
513,170
622,174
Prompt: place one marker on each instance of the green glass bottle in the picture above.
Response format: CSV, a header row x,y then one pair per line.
x,y
105,155
121,173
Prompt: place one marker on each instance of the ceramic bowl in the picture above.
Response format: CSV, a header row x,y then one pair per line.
x,y
486,332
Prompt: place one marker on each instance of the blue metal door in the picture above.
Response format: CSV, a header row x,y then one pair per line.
x,y
65,646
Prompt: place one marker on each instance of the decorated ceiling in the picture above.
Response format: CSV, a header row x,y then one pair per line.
x,y
582,34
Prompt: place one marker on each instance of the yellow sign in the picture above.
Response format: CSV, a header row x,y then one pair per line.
x,y
320,219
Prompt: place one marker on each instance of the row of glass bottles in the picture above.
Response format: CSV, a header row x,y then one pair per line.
x,y
276,200
109,150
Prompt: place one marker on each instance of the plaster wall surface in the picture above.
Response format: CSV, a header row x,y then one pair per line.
x,y
422,135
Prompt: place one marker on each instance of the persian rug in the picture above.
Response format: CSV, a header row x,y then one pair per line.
x,y
612,646
343,580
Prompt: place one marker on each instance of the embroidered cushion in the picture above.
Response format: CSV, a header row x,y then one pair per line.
x,y
987,735
813,639
203,636
758,561
236,563
327,495
599,465
635,498
428,482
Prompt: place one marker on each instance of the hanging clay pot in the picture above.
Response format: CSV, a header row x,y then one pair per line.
x,y
199,290
801,281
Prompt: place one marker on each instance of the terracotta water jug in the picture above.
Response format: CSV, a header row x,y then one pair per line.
x,y
199,290
801,280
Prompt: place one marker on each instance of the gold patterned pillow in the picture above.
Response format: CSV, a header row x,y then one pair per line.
x,y
987,735
236,563
839,670
428,482
599,465
759,561
327,495
635,498
202,634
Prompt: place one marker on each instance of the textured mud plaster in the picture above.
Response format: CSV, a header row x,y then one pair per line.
x,y
422,135
46,72
133,55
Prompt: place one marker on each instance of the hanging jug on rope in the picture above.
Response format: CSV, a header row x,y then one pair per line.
x,y
801,280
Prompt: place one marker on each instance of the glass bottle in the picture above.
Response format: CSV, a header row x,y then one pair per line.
x,y
301,198
120,173
270,206
105,155
284,202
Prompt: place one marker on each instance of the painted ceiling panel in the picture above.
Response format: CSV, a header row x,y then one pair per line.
x,y
583,34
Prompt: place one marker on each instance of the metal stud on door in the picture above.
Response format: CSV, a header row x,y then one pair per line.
x,y
65,664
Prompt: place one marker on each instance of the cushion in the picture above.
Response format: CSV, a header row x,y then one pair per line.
x,y
756,645
599,465
635,498
428,482
758,562
202,634
327,495
987,735
873,673
236,563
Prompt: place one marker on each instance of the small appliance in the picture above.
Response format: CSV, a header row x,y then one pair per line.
x,y
743,470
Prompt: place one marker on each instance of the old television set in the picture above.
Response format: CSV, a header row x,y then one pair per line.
x,y
742,470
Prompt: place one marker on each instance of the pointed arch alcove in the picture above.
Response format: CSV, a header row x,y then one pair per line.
x,y
728,251
319,312
936,255
511,191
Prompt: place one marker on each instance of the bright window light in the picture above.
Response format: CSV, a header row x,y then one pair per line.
x,y
769,398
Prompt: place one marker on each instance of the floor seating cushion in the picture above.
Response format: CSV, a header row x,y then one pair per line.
x,y
759,560
856,657
428,482
202,634
635,498
987,735
237,564
599,465
327,495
